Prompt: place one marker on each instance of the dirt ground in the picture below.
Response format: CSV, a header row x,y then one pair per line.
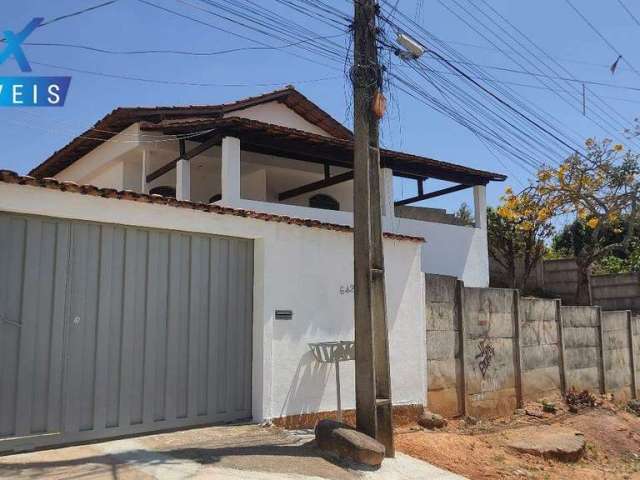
x,y
612,445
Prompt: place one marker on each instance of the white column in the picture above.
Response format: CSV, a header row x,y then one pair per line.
x,y
480,206
230,170
183,180
146,170
386,191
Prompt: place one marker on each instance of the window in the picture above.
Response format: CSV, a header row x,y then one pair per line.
x,y
324,201
164,190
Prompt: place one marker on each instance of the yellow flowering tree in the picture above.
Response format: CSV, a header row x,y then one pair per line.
x,y
517,232
600,188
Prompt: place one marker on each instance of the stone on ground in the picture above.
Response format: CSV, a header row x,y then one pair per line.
x,y
470,421
432,420
348,444
548,442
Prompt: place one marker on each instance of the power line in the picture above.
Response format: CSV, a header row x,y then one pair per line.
x,y
293,44
266,22
515,100
629,12
230,32
261,23
179,52
566,79
489,126
480,131
600,121
562,59
73,14
603,107
472,124
181,83
493,80
604,39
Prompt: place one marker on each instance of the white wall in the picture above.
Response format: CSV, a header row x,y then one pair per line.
x,y
296,268
109,177
91,167
277,114
451,249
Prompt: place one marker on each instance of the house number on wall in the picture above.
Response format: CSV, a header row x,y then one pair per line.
x,y
347,289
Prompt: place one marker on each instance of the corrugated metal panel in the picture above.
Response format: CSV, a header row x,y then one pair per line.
x,y
108,330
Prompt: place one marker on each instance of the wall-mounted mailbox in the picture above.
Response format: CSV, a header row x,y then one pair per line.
x,y
284,314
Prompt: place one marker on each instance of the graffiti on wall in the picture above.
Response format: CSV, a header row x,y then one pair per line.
x,y
485,355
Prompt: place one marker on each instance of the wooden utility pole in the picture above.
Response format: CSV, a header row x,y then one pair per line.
x,y
373,380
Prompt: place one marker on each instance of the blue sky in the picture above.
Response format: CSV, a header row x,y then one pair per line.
x,y
29,135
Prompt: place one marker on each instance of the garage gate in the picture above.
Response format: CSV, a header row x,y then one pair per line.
x,y
108,330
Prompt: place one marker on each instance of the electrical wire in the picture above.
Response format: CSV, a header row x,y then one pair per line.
x,y
629,12
181,83
228,31
178,52
518,57
562,59
280,47
601,105
458,73
602,37
73,14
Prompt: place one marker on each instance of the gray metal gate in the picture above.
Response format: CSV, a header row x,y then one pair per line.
x,y
108,330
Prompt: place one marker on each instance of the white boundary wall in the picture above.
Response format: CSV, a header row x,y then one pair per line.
x,y
297,268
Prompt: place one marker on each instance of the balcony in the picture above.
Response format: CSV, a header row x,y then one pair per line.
x,y
229,175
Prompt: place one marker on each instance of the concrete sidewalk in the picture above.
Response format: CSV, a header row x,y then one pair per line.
x,y
235,452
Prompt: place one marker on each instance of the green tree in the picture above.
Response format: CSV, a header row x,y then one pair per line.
x,y
600,188
517,232
464,214
573,237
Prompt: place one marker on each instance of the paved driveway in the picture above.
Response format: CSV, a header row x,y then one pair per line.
x,y
236,452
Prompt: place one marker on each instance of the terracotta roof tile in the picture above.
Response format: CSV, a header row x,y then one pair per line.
x,y
8,176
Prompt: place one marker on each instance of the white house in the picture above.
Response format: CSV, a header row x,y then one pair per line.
x,y
125,310
275,153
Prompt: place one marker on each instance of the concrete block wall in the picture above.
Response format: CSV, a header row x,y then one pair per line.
x,y
616,347
488,350
443,344
540,346
635,342
582,345
561,279
616,292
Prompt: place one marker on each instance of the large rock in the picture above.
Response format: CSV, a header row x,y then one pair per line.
x,y
548,442
432,420
348,444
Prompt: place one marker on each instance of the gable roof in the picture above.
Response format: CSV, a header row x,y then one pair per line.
x,y
123,117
